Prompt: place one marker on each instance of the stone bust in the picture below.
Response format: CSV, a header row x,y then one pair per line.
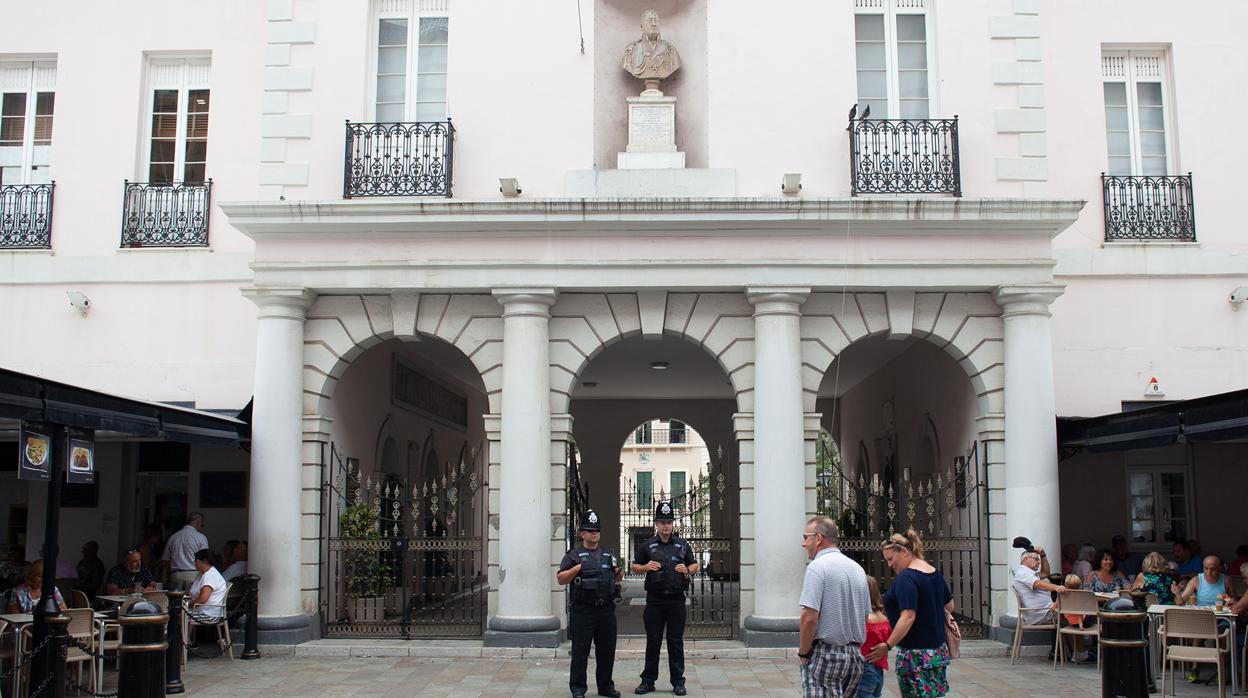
x,y
650,58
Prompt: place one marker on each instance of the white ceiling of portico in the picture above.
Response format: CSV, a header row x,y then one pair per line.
x,y
622,371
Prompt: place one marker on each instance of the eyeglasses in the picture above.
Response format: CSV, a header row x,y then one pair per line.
x,y
808,535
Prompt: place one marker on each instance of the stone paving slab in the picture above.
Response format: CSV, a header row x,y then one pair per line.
x,y
498,676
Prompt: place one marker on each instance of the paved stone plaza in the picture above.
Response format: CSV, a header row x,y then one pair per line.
x,y
547,676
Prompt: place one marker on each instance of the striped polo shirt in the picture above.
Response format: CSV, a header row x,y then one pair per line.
x,y
836,587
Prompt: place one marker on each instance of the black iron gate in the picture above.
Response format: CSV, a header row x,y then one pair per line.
x,y
706,517
404,556
948,507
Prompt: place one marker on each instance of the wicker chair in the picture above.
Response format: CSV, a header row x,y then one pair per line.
x,y
1082,604
82,629
1020,626
1193,624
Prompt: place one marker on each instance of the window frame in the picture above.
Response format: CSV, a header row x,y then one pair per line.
x,y
891,9
41,79
184,87
649,473
1189,503
413,11
1130,57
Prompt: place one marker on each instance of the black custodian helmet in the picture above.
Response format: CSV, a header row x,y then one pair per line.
x,y
589,521
663,512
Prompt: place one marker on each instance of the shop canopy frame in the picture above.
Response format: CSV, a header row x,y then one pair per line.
x,y
1210,419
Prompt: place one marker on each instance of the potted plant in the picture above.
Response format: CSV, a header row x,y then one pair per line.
x,y
367,574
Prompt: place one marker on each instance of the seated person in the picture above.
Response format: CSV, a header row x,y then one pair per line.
x,y
208,588
1033,588
1106,578
1129,562
13,570
1187,562
90,569
1070,554
1084,565
1072,581
130,577
25,596
1156,578
238,567
1237,565
1205,587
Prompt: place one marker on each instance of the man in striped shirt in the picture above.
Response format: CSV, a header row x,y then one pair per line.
x,y
835,603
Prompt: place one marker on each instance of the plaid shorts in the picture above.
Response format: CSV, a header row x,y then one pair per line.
x,y
833,671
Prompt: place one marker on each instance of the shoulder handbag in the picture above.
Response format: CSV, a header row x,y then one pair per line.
x,y
953,635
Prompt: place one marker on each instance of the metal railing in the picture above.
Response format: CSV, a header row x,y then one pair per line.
x,y
165,215
26,215
657,437
398,159
904,156
1143,207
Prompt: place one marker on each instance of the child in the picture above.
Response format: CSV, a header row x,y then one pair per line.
x,y
878,630
1072,581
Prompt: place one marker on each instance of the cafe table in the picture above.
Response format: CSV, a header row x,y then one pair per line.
x,y
20,621
1157,612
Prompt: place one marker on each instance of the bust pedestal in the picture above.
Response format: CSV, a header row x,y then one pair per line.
x,y
651,134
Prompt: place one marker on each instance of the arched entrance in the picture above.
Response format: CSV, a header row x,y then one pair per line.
x,y
899,449
653,421
405,542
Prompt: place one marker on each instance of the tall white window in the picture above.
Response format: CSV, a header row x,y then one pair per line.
x,y
1136,115
891,51
412,38
178,101
27,97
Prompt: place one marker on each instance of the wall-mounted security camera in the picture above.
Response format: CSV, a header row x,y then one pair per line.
x,y
791,183
80,301
509,186
1238,296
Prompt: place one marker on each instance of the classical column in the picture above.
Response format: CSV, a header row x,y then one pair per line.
x,y
525,574
779,464
276,457
1031,488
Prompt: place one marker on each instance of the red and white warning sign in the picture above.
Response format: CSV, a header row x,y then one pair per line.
x,y
1154,388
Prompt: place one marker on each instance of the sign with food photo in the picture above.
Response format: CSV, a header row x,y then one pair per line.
x,y
80,451
35,446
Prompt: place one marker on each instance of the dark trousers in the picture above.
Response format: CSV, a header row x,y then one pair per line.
x,y
669,615
592,624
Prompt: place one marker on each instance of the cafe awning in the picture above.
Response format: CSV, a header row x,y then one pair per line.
x,y
27,397
1209,419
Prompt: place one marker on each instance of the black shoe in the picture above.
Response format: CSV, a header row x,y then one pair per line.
x,y
610,693
679,690
644,687
578,695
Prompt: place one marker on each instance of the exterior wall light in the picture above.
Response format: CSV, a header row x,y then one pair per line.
x,y
659,365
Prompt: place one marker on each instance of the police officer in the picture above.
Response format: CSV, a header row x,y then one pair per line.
x,y
668,564
594,574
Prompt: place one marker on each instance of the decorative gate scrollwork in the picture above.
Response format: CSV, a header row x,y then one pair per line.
x,y
949,509
706,514
405,560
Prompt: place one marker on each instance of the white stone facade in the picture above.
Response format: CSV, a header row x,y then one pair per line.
x,y
1013,281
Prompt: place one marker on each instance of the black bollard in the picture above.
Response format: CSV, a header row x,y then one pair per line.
x,y
1124,652
250,632
142,652
173,654
47,671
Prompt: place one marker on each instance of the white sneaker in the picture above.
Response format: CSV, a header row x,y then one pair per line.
x,y
1081,657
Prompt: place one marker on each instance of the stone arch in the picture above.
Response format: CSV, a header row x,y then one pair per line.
x,y
340,328
967,326
583,324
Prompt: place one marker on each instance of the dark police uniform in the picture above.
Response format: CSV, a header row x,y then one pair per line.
x,y
592,616
665,603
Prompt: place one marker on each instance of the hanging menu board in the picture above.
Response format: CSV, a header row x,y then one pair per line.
x,y
80,455
35,446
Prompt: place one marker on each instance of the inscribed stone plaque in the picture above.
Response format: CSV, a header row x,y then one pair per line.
x,y
651,127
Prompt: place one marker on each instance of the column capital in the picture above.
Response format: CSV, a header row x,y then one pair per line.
x,y
526,300
777,300
291,303
1031,299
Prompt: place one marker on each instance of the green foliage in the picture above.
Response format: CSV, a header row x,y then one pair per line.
x,y
367,573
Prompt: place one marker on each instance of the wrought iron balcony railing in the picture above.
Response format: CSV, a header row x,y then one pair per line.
x,y
904,156
26,215
657,437
398,159
165,215
1143,207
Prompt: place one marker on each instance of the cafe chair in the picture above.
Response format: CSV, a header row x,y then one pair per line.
x,y
197,618
1020,626
6,649
77,599
82,629
160,598
1193,624
1082,604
